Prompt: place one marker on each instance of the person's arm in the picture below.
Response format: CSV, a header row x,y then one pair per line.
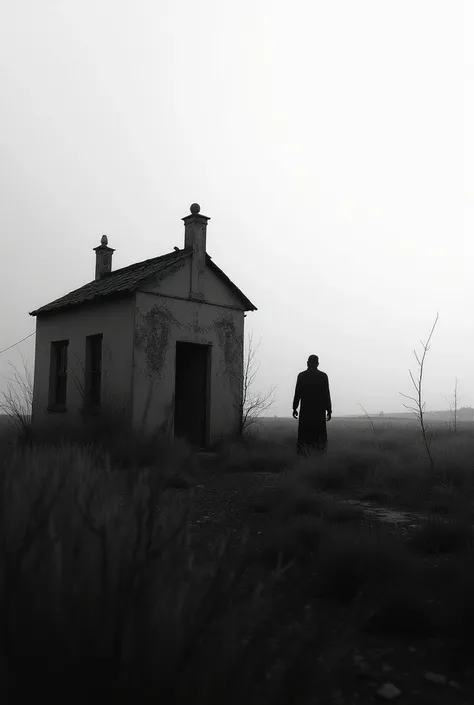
x,y
297,397
328,399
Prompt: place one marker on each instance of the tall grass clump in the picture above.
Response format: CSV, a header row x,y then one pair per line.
x,y
98,588
440,536
103,594
254,454
346,466
16,404
392,467
109,434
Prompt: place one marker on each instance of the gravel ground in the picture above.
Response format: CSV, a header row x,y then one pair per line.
x,y
221,501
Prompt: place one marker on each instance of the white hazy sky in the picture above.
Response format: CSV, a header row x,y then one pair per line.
x,y
330,141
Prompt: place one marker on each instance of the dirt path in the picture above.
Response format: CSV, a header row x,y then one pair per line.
x,y
228,496
221,502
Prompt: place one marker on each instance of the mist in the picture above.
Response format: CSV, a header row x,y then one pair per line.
x,y
331,145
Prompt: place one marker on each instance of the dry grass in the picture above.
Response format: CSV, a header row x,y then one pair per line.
x,y
256,455
99,586
386,468
103,595
290,499
440,536
298,539
390,467
361,561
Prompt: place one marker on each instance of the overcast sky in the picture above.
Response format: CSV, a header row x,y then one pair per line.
x,y
331,142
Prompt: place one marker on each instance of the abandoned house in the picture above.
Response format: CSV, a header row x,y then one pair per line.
x,y
161,341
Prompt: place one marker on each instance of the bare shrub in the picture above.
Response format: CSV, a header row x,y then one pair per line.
x,y
17,399
418,404
254,404
454,407
367,416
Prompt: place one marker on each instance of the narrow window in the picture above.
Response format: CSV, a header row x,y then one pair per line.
x,y
58,374
93,369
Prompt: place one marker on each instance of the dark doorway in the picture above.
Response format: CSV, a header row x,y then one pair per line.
x,y
191,393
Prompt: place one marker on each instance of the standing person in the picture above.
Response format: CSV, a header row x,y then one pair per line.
x,y
312,390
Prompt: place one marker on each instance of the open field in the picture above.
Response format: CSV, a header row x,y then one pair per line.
x,y
243,575
383,461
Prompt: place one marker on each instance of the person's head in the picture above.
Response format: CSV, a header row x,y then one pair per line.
x,y
313,362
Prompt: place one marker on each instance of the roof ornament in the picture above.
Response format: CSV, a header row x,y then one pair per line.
x,y
195,208
104,240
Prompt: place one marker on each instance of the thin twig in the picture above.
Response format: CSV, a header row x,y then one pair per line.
x,y
419,406
253,404
368,417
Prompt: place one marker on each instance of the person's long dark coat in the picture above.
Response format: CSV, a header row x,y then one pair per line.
x,y
312,390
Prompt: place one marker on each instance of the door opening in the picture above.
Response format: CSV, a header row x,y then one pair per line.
x,y
192,393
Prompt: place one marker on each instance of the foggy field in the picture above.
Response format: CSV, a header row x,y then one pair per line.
x,y
211,212
342,427
378,460
196,581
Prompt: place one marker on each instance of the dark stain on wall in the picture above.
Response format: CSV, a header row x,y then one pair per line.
x,y
153,337
231,345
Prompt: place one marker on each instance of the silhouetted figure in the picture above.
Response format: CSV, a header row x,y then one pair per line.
x,y
312,390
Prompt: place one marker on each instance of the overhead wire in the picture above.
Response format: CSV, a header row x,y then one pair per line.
x,y
17,343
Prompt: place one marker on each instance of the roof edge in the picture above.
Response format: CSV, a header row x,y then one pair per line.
x,y
180,254
50,308
249,306
94,301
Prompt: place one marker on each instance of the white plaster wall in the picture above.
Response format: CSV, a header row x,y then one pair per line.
x,y
177,282
217,292
160,323
115,321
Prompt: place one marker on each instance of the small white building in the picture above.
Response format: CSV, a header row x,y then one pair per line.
x,y
161,341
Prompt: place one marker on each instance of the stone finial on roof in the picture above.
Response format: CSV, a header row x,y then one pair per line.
x,y
195,227
103,258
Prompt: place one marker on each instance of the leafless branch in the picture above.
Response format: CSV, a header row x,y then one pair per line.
x,y
253,403
453,407
455,401
419,405
368,417
16,401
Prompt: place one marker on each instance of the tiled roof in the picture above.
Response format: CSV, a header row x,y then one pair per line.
x,y
126,280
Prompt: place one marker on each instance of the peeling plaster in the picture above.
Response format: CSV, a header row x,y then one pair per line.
x,y
153,337
157,329
231,345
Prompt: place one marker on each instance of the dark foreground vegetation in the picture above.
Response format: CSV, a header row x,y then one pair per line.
x,y
113,587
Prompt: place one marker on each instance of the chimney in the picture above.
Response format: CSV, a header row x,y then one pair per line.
x,y
195,226
103,258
